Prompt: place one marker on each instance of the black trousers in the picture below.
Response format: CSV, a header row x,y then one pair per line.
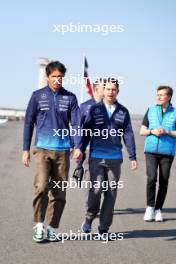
x,y
163,163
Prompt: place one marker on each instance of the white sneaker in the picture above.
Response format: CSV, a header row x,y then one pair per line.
x,y
38,232
149,214
158,216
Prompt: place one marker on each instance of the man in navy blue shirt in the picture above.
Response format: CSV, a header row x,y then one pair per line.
x,y
108,121
98,88
50,110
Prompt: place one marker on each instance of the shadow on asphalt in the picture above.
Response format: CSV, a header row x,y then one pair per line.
x,y
167,235
140,211
151,234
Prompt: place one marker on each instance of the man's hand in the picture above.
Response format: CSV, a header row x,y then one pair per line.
x,y
26,158
158,131
133,165
77,155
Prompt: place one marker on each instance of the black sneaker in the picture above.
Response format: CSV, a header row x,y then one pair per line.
x,y
103,234
86,226
51,234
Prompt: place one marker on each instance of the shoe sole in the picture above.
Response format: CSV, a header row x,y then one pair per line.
x,y
38,240
149,220
52,240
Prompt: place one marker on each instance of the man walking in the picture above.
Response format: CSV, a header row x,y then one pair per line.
x,y
98,88
110,117
159,127
50,110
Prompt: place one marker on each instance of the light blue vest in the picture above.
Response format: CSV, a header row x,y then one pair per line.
x,y
164,144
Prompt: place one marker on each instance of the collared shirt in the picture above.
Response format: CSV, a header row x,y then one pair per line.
x,y
110,109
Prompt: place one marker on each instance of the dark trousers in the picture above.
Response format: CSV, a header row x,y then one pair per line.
x,y
163,163
103,170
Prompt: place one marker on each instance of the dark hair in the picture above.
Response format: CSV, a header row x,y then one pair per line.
x,y
55,65
168,89
99,81
114,81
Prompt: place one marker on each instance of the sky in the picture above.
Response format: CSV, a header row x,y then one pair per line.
x,y
143,55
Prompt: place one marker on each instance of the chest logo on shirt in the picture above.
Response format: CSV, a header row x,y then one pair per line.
x,y
119,117
43,96
120,112
97,110
65,97
63,104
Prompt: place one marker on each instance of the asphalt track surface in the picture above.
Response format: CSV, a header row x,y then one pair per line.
x,y
142,242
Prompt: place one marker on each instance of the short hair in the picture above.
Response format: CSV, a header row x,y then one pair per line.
x,y
114,81
168,89
99,81
55,65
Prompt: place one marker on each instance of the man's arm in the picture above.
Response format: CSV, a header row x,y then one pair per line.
x,y
128,137
171,133
145,131
30,119
75,123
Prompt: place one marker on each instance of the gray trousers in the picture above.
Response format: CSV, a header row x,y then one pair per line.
x,y
103,170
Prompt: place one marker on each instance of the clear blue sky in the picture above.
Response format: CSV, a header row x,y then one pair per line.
x,y
144,54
